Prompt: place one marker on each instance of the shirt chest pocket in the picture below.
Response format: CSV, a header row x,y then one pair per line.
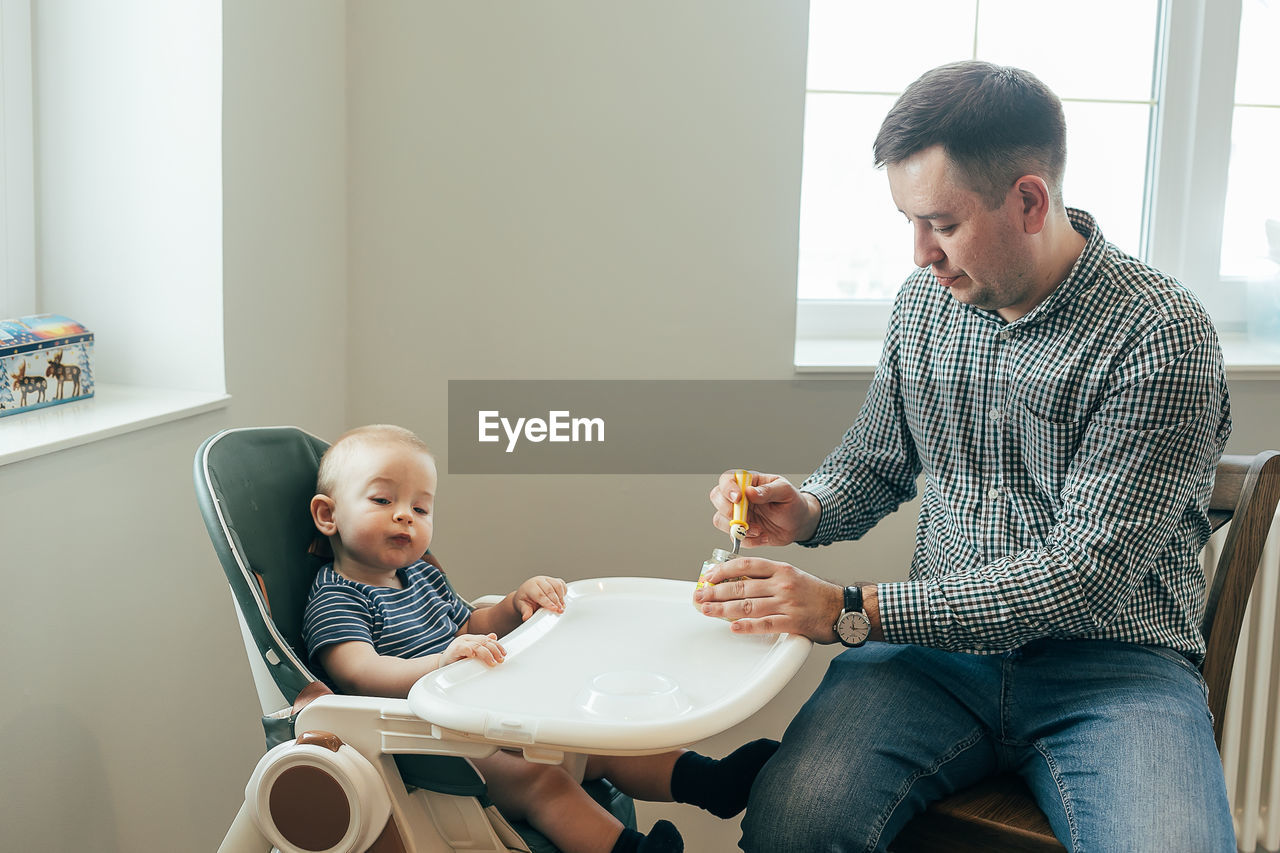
x,y
1046,448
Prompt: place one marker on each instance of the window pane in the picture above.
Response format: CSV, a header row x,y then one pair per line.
x,y
849,245
1106,167
1097,48
1253,189
1253,180
1257,81
859,46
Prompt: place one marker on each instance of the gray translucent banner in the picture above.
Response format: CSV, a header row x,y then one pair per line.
x,y
646,426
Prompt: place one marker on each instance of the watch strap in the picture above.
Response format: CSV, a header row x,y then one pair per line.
x,y
852,599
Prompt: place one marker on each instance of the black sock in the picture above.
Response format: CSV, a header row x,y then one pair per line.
x,y
663,838
628,841
721,787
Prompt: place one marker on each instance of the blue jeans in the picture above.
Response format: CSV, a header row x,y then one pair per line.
x,y
1114,740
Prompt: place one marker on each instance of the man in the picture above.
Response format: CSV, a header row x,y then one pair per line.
x,y
1066,405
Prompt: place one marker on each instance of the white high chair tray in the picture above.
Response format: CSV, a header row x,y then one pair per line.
x,y
630,666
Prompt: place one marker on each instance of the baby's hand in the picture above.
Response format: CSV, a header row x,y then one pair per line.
x,y
539,592
483,647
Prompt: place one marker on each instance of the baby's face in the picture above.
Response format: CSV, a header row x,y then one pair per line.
x,y
383,507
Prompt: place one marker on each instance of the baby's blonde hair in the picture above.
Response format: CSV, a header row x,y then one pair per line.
x,y
335,458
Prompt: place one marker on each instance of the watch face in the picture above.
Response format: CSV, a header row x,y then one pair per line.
x,y
853,627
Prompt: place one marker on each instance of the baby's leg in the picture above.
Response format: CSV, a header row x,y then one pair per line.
x,y
552,801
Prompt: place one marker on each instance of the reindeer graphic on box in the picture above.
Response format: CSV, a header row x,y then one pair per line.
x,y
45,359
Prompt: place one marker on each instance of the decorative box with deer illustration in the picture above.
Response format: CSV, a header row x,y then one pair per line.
x,y
45,359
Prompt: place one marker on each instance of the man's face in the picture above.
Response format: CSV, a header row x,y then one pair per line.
x,y
383,508
982,256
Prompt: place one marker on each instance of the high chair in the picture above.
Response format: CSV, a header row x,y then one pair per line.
x,y
343,773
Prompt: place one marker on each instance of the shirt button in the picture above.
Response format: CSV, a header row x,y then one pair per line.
x,y
993,493
995,414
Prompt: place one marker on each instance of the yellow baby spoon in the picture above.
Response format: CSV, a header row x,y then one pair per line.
x,y
738,529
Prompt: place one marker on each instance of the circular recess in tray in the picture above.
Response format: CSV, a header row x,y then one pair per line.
x,y
633,695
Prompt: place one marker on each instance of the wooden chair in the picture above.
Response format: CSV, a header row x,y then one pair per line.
x,y
999,813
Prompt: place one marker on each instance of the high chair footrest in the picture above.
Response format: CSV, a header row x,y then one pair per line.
x,y
444,774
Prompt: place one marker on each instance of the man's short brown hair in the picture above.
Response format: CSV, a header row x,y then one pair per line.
x,y
995,124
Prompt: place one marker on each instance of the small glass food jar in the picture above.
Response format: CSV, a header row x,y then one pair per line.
x,y
718,556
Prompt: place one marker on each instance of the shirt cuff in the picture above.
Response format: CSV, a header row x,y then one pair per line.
x,y
828,519
905,613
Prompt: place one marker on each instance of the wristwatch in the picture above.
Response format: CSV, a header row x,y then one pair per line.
x,y
852,625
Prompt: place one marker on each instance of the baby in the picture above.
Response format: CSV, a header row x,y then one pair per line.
x,y
378,618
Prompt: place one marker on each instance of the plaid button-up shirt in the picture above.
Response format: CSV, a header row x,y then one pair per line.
x,y
1068,459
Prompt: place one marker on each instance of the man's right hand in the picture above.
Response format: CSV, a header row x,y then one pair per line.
x,y
777,512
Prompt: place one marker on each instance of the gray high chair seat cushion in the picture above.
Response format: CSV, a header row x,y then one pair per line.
x,y
254,488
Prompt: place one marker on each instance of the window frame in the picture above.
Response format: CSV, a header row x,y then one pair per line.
x,y
1199,52
17,164
1189,159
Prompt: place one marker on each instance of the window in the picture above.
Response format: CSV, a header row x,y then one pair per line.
x,y
128,133
1251,223
1146,87
1254,141
17,212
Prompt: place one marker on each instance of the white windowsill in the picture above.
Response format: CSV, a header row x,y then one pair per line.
x,y
857,356
113,410
1246,358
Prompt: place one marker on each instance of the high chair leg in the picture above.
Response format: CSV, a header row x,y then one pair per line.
x,y
244,835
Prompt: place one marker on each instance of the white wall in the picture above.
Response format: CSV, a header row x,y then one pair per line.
x,y
414,192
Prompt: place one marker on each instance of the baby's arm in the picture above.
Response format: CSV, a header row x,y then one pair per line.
x,y
356,667
505,616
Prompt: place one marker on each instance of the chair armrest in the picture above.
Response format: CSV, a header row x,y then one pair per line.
x,y
375,726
